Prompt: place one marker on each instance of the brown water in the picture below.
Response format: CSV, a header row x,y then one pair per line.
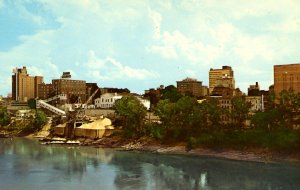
x,y
25,164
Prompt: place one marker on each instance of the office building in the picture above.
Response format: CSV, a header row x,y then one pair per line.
x,y
75,90
286,77
191,87
24,87
221,77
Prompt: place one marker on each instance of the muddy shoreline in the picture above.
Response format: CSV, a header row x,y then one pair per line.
x,y
253,155
147,145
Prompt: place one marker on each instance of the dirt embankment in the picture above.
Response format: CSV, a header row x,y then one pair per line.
x,y
143,144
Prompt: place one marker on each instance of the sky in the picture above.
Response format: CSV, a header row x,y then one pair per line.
x,y
141,44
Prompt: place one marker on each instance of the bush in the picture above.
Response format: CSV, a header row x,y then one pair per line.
x,y
36,124
154,130
283,140
4,117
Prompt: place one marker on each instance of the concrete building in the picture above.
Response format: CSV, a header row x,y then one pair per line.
x,y
145,102
108,100
24,87
190,86
221,77
225,92
256,103
286,77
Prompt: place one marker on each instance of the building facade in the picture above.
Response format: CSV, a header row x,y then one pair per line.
x,y
286,77
75,90
45,91
192,87
24,87
107,100
221,77
256,103
254,90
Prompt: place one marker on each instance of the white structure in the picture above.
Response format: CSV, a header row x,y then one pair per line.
x,y
145,102
44,104
256,103
108,101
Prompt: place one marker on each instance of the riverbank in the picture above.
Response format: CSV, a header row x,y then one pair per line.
x,y
147,145
150,145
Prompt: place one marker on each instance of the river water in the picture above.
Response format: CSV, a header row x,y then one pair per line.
x,y
25,164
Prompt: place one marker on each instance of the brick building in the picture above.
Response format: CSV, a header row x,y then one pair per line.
x,y
75,90
286,77
24,87
254,90
45,91
192,87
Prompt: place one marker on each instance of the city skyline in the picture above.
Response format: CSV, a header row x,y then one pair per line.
x,y
142,44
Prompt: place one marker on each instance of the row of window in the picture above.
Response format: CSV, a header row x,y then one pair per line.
x,y
105,100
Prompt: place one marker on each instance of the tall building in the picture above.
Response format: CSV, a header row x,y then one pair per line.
x,y
192,87
45,91
221,77
286,77
75,90
24,87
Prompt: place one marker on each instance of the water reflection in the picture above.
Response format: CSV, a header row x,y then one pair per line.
x,y
25,164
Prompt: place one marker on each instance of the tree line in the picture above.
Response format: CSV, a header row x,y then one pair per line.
x,y
183,118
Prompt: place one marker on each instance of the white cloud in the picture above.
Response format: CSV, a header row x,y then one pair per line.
x,y
291,25
126,35
111,69
191,73
175,43
1,3
156,19
168,52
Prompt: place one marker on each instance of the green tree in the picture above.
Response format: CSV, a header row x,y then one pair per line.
x,y
170,93
181,118
240,110
165,110
188,113
4,117
40,119
36,124
132,114
212,112
268,120
154,97
289,105
31,103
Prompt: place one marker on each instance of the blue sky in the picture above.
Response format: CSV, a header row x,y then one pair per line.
x,y
141,44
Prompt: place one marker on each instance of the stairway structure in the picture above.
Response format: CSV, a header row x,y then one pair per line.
x,y
44,104
60,96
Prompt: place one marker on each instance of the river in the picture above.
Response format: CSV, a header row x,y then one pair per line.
x,y
25,164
